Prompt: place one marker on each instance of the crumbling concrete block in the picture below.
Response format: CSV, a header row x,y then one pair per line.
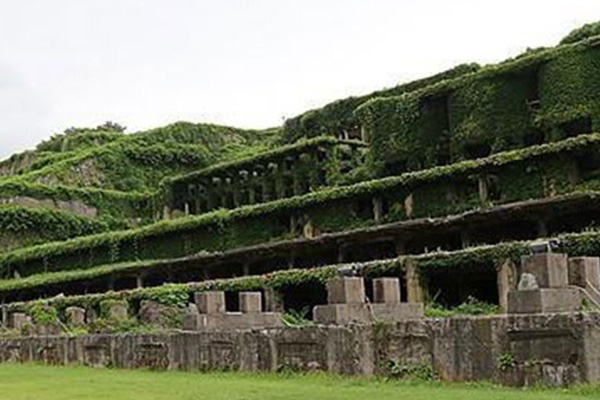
x,y
250,302
386,290
75,316
20,321
116,310
387,306
550,269
346,290
584,271
210,302
545,300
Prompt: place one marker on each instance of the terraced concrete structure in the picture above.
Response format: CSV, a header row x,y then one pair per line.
x,y
439,187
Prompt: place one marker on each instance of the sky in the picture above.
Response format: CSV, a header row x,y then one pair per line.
x,y
252,63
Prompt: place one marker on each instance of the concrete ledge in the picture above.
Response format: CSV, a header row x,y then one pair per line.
x,y
544,301
342,314
231,321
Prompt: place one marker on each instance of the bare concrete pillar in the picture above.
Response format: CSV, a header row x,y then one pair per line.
x,y
584,272
75,316
415,291
542,228
246,269
273,300
346,290
19,321
550,269
386,290
506,279
139,281
250,302
212,302
377,209
483,189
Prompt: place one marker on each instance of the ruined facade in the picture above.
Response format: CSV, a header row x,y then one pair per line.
x,y
477,185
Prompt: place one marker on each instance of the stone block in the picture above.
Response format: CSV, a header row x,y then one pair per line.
x,y
210,302
342,314
346,290
75,316
154,313
117,310
191,321
550,269
20,321
234,321
395,312
386,290
250,302
584,270
544,300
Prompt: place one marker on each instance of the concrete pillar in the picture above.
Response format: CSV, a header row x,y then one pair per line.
x,y
246,269
542,228
212,302
378,209
584,271
415,291
507,281
273,300
346,290
139,281
250,302
400,246
550,269
386,290
483,188
75,316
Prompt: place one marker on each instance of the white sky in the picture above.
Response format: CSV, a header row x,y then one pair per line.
x,y
146,63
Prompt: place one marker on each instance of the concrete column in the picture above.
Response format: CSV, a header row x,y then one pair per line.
x,y
273,300
483,188
212,302
346,290
542,228
139,281
246,269
386,290
250,302
415,290
378,209
506,278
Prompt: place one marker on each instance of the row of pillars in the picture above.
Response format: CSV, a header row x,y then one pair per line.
x,y
295,175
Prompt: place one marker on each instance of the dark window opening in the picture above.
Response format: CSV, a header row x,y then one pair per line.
x,y
232,301
453,287
535,137
304,297
577,127
479,150
380,250
396,168
503,231
364,208
583,219
493,189
428,243
588,166
316,258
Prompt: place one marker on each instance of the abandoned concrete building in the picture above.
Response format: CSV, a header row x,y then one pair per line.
x,y
345,244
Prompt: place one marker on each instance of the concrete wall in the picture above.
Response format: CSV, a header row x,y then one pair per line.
x,y
553,349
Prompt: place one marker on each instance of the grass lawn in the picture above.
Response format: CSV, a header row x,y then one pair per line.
x,y
29,382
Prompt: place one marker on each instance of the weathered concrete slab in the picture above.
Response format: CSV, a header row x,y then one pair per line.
x,y
544,300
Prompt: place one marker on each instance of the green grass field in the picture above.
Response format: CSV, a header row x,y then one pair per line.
x,y
32,382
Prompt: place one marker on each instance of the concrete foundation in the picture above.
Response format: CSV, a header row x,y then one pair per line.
x,y
550,349
347,303
210,313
